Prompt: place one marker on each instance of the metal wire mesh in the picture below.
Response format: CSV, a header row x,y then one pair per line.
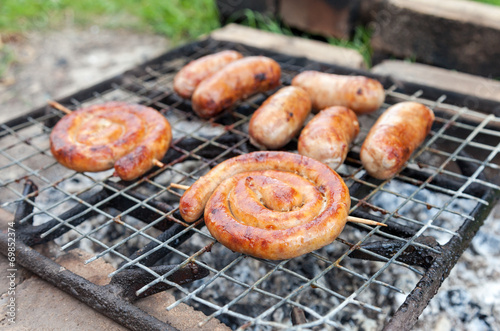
x,y
431,199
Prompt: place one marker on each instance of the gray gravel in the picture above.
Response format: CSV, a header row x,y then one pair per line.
x,y
54,64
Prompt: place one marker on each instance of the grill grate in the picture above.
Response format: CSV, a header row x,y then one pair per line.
x,y
433,207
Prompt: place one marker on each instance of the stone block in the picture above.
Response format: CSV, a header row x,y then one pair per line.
x,y
452,34
293,46
470,85
41,306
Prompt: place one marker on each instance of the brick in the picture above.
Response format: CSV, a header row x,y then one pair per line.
x,y
328,18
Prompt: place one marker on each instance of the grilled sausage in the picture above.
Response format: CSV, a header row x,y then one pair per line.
x,y
234,82
328,135
394,137
359,93
188,78
272,205
279,118
128,136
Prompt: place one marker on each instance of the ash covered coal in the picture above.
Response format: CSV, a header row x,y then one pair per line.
x,y
251,287
469,299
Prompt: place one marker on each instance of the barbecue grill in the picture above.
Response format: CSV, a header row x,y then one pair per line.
x,y
387,275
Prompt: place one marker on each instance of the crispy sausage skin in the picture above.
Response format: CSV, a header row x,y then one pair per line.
x,y
394,137
234,82
271,205
127,136
328,135
188,78
361,94
279,118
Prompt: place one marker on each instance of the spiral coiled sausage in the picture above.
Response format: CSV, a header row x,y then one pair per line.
x,y
127,136
272,205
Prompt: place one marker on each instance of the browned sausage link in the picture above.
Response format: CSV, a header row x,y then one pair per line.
x,y
272,205
95,138
188,78
279,118
234,82
328,135
394,137
135,163
359,93
153,147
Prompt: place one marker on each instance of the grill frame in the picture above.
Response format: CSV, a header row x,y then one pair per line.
x,y
406,314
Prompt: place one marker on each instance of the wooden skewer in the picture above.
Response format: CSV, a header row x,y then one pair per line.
x,y
68,111
158,163
60,107
352,219
179,186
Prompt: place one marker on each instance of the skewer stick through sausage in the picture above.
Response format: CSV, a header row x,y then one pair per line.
x,y
132,138
352,219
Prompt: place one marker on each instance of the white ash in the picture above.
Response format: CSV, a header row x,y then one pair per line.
x,y
421,211
182,127
178,172
470,304
469,298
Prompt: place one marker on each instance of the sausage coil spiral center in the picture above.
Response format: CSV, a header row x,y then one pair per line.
x,y
127,136
272,205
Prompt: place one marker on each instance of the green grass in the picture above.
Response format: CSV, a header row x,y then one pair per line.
x,y
259,21
359,42
491,2
177,19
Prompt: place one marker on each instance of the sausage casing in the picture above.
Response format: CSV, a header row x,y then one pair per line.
x,y
359,93
279,118
127,136
272,205
191,75
328,135
234,82
394,137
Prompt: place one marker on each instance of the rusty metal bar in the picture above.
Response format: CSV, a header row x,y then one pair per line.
x,y
407,314
103,300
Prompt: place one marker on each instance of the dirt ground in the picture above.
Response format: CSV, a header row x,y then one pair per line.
x,y
50,65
